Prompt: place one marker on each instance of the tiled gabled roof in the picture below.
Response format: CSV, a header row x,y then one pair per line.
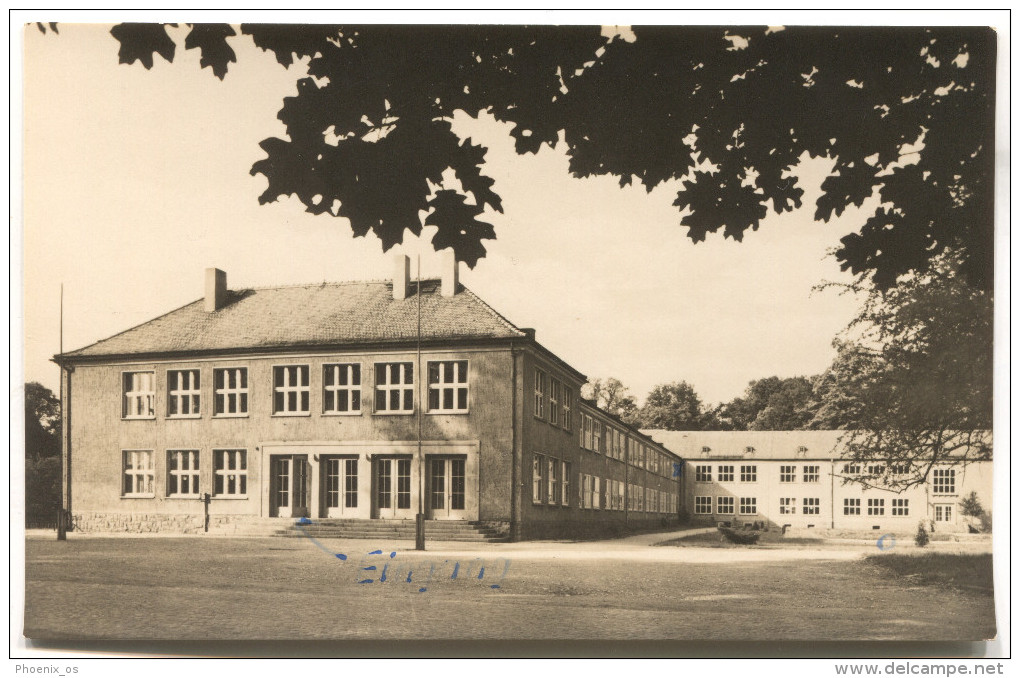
x,y
327,314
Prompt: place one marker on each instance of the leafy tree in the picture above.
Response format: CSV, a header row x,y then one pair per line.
x,y
904,114
673,407
612,396
42,454
772,404
971,506
912,380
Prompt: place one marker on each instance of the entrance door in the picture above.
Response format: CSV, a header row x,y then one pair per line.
x,y
288,489
392,491
446,490
341,491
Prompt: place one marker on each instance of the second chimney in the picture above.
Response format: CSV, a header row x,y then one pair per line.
x,y
450,274
215,289
401,276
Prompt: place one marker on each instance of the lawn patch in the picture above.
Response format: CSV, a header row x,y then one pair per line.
x,y
966,571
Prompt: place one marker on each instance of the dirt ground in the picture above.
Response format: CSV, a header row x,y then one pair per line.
x,y
207,588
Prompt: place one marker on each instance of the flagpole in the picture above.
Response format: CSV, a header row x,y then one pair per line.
x,y
419,523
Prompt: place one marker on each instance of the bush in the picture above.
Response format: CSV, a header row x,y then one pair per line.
x,y
921,538
739,537
42,491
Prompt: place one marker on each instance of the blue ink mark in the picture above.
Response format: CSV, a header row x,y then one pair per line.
x,y
481,572
886,542
409,573
375,553
370,567
677,468
456,566
304,521
494,586
393,555
383,577
421,590
366,581
318,544
340,556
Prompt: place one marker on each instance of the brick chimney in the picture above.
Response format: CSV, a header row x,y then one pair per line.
x,y
215,289
448,260
401,276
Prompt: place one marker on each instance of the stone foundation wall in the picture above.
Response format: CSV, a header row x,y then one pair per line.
x,y
147,523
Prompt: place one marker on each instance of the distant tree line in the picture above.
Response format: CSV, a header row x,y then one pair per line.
x,y
42,455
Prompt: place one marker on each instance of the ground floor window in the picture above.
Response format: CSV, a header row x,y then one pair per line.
x,y
565,497
748,506
553,478
812,506
943,513
724,506
851,507
230,473
900,507
139,476
876,507
787,506
703,505
537,478
182,473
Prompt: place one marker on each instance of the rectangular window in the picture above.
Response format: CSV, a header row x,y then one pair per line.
x,y
811,506
394,387
851,507
139,395
448,386
182,473
787,506
943,513
596,493
184,392
230,391
876,469
585,431
899,469
703,505
876,507
748,474
787,474
568,404
726,474
403,483
596,437
537,480
943,481
540,394
139,477
458,484
621,499
554,402
851,469
230,473
565,495
748,506
703,474
724,506
350,483
290,389
553,481
811,474
901,507
341,388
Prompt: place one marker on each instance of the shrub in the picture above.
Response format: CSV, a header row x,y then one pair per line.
x,y
741,537
921,538
971,506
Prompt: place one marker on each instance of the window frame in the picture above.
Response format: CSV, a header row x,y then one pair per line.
x,y
149,471
225,472
286,389
787,506
703,473
537,478
387,388
722,510
442,386
943,481
554,401
192,394
226,391
851,506
194,474
539,409
876,506
811,506
698,510
125,393
728,475
567,407
750,475
748,502
900,506
788,473
813,476
349,388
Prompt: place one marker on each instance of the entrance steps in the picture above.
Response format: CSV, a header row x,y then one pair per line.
x,y
350,528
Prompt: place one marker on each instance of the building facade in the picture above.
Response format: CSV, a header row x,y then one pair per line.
x,y
797,479
368,400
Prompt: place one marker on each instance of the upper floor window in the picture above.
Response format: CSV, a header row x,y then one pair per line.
x,y
568,402
394,387
182,473
726,473
291,392
554,402
341,388
448,386
851,469
787,474
811,474
876,469
540,394
596,436
139,395
703,474
943,481
230,391
183,390
748,474
139,476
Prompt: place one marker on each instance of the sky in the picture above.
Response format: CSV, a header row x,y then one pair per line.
x,y
136,181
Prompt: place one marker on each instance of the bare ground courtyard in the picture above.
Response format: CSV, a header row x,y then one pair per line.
x,y
213,588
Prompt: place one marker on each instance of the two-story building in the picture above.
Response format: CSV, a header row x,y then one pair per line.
x,y
801,479
361,400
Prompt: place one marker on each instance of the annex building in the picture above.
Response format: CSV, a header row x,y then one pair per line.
x,y
362,401
797,479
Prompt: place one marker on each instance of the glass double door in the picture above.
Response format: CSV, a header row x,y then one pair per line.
x,y
446,491
340,491
391,488
288,485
